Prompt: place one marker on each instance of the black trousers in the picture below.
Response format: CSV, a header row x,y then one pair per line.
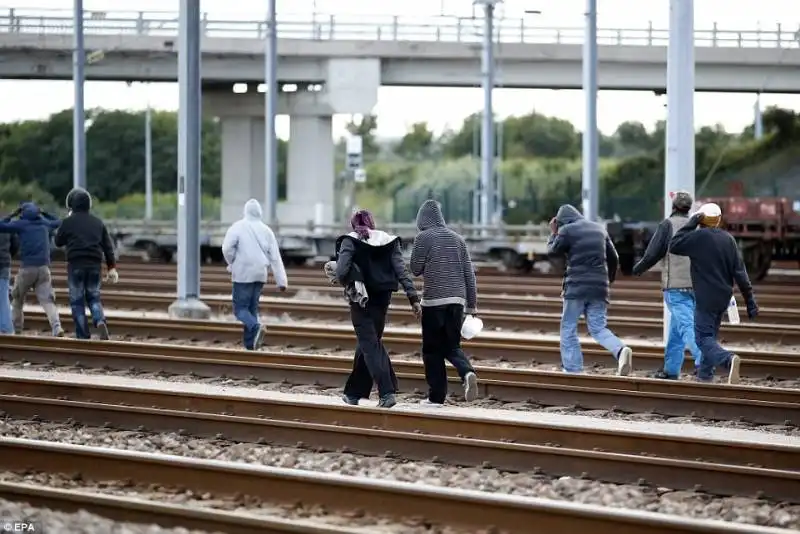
x,y
371,363
441,340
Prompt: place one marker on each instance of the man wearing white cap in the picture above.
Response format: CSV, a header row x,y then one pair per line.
x,y
715,265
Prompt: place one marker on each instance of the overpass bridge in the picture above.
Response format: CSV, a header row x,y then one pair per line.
x,y
331,64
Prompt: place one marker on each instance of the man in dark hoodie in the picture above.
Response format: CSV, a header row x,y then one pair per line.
x,y
378,258
441,257
676,283
591,266
9,246
33,228
716,265
87,244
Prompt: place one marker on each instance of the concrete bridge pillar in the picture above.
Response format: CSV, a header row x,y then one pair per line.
x,y
351,87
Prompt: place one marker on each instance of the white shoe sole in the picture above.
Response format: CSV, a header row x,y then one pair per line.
x,y
733,374
426,402
625,362
470,387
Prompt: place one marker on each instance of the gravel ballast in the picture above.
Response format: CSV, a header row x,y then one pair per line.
x,y
663,500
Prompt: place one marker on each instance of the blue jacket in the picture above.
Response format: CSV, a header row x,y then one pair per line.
x,y
33,229
592,259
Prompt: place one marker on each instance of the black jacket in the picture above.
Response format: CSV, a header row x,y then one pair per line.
x,y
716,265
592,259
379,260
84,236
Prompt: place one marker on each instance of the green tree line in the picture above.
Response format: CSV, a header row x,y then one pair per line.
x,y
539,163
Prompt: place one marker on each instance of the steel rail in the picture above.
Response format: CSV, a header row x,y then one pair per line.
x,y
597,392
545,289
531,348
147,512
454,507
539,315
729,478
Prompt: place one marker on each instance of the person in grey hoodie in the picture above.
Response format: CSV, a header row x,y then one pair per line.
x,y
376,259
250,249
592,264
441,257
9,246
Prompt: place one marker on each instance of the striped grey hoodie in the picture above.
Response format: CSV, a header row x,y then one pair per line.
x,y
440,256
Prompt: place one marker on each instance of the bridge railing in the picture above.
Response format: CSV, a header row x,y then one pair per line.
x,y
378,28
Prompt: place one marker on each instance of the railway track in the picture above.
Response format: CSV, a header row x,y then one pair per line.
x,y
773,296
630,326
471,509
618,456
760,405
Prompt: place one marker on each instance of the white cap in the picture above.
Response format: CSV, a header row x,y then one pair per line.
x,y
710,210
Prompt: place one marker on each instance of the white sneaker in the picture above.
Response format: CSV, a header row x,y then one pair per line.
x,y
259,340
625,361
470,387
733,374
429,404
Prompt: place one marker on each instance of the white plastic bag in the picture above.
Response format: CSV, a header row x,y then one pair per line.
x,y
472,327
733,312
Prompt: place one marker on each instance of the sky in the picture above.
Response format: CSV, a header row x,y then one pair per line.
x,y
441,108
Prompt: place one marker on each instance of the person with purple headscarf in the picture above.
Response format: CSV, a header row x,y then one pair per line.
x,y
375,259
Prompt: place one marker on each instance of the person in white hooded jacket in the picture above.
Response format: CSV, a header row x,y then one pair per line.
x,y
250,249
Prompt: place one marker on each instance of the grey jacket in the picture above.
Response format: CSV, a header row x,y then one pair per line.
x,y
441,257
591,257
675,270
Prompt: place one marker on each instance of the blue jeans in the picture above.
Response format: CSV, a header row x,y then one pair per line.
x,y
84,290
596,312
680,304
706,330
6,324
245,308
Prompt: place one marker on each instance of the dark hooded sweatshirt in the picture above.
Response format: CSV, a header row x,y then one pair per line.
x,y
379,262
591,257
441,257
33,229
84,236
716,265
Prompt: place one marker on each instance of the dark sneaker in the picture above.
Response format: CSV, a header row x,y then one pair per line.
x,y
733,374
103,329
661,374
387,401
352,401
470,387
259,341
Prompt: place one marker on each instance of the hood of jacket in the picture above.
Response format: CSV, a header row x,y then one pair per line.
x,y
567,214
30,211
377,238
79,199
252,210
429,215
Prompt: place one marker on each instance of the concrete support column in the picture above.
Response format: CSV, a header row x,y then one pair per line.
x,y
310,172
243,152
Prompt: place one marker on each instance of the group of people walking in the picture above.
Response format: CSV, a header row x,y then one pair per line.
x,y
700,263
27,233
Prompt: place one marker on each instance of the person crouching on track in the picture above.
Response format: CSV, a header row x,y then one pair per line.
x,y
377,258
676,283
33,228
250,249
440,255
716,265
9,246
591,266
87,243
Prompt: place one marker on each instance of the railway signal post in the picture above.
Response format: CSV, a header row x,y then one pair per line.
x,y
189,304
679,171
